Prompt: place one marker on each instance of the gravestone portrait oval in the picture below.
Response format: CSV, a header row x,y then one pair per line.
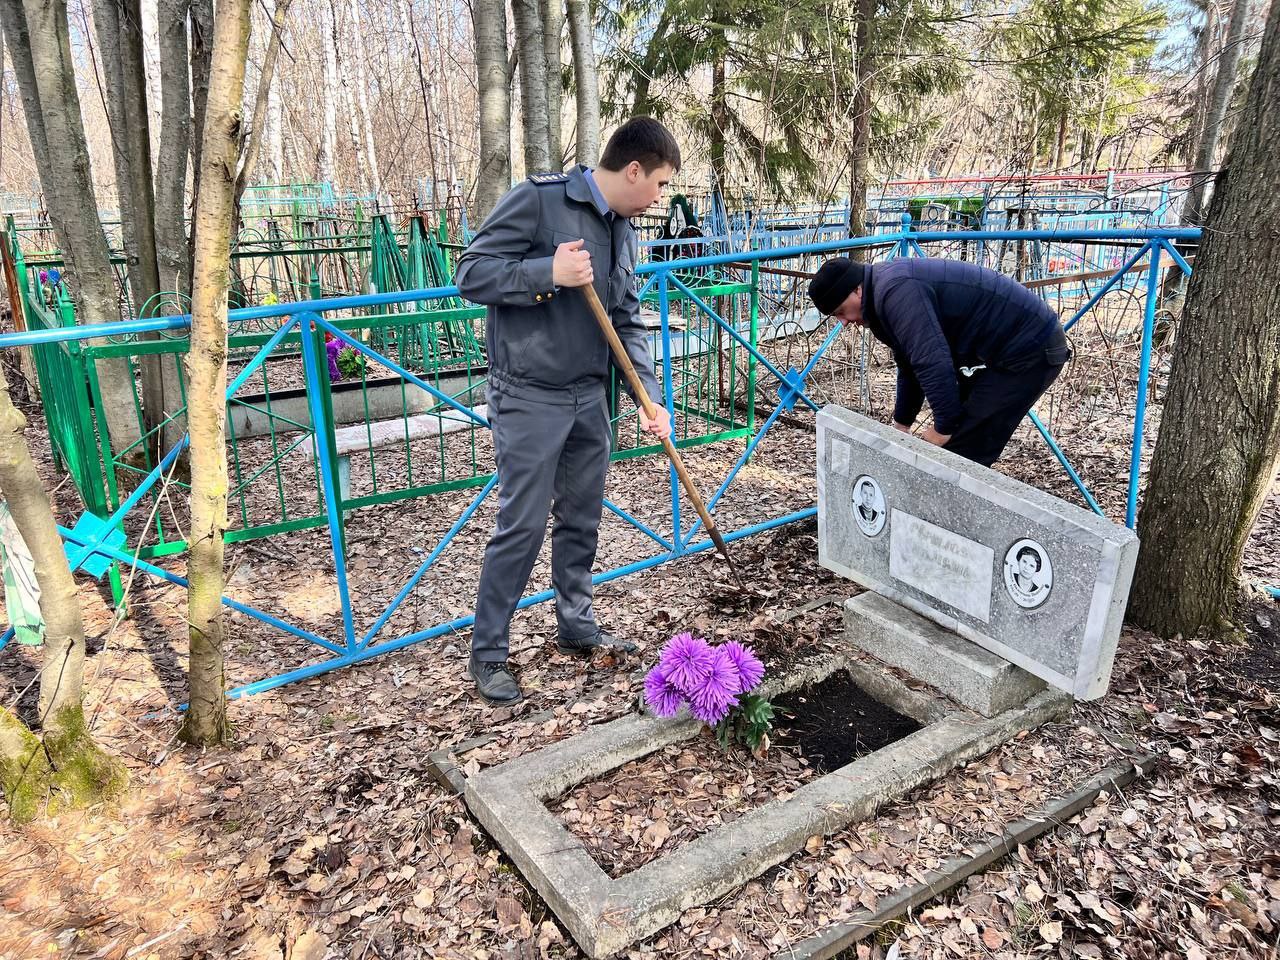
x,y
1028,574
869,509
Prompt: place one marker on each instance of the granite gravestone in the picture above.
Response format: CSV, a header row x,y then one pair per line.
x,y
1038,581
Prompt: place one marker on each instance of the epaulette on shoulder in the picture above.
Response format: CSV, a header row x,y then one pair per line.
x,y
542,179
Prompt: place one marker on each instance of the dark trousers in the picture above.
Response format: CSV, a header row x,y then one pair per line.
x,y
552,459
995,400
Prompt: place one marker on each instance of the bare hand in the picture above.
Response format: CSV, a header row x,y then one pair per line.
x,y
571,266
660,425
931,435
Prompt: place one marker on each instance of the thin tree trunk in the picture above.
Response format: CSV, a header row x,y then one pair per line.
x,y
329,92
494,176
1219,443
586,85
201,49
860,142
118,28
719,123
1223,85
552,34
445,119
361,82
1060,147
410,27
64,766
257,131
206,720
1204,49
175,144
172,253
533,85
67,182
201,52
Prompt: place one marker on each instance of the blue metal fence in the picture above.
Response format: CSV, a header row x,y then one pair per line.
x,y
307,322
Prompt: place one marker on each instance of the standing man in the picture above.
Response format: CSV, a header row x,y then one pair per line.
x,y
548,370
978,345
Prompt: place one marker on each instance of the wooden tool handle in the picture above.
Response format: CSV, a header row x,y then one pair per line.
x,y
642,396
619,352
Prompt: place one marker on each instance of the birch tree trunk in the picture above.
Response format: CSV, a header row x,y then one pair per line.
x,y
206,719
63,767
533,85
38,29
329,92
361,82
585,82
489,19
1219,443
1224,83
552,33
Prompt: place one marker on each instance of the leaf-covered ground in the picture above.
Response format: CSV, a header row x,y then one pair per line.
x,y
322,833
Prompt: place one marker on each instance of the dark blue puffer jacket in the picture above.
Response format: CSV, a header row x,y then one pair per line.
x,y
939,315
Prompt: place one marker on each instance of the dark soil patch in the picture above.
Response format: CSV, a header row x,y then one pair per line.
x,y
835,722
1260,619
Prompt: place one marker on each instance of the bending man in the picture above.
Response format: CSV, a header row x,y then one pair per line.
x,y
979,346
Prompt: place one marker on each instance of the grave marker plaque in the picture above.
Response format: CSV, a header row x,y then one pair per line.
x,y
1038,581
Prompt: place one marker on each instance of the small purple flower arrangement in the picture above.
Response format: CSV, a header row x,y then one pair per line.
x,y
345,362
716,683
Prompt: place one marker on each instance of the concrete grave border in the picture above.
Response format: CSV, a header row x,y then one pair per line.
x,y
605,915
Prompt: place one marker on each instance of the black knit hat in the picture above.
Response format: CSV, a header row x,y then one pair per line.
x,y
834,281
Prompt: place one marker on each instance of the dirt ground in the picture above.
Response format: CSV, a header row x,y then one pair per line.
x,y
321,833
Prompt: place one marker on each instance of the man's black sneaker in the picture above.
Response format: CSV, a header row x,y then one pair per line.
x,y
585,646
494,682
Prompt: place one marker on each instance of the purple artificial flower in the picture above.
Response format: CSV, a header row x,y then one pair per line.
x,y
44,276
718,692
663,696
750,669
332,349
686,661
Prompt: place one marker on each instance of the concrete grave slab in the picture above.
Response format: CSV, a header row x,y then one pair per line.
x,y
1031,578
967,673
605,915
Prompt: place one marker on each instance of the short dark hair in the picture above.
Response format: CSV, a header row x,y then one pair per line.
x,y
1035,555
642,139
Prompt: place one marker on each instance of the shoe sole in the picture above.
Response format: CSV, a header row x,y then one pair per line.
x,y
488,699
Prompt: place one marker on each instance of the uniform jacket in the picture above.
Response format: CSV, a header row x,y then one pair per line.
x,y
542,342
940,315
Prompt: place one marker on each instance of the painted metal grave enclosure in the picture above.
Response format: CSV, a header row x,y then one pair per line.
x,y
406,419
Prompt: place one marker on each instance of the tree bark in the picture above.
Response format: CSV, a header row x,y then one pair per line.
x,y
860,141
552,34
119,30
719,123
329,92
67,183
206,720
175,144
533,85
585,82
361,83
200,48
1219,440
1224,83
63,765
494,176
255,133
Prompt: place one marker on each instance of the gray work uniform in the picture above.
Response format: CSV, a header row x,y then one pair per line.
x,y
548,372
